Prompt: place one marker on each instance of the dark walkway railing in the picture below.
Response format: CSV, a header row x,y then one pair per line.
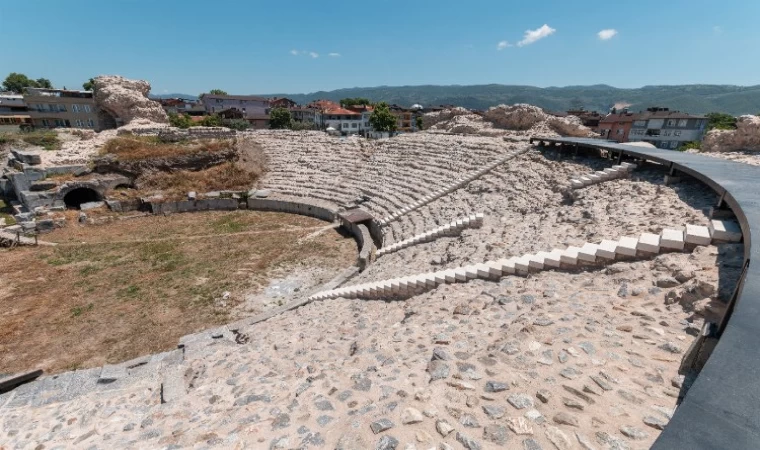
x,y
721,410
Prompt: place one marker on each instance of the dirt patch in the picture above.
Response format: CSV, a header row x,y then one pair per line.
x,y
175,185
131,287
131,148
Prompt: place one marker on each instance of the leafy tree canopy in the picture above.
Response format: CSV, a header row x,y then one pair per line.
x,y
347,102
279,118
210,121
217,92
720,121
418,121
89,85
179,120
382,119
17,82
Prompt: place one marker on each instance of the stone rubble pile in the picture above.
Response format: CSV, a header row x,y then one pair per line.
x,y
127,99
519,117
746,137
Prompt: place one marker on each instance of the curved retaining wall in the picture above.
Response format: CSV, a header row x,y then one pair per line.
x,y
299,206
721,409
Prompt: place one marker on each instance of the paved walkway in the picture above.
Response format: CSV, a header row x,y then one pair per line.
x,y
722,405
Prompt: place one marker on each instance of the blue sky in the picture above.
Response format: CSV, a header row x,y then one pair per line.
x,y
285,46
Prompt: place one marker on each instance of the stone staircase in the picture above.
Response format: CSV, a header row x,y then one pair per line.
x,y
617,171
459,183
450,229
607,251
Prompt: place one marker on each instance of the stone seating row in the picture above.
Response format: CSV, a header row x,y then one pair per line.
x,y
647,244
617,171
452,228
448,189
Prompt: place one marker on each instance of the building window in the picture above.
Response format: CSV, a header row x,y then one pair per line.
x,y
676,133
90,123
86,108
640,123
683,122
52,107
671,123
674,144
619,131
353,125
75,108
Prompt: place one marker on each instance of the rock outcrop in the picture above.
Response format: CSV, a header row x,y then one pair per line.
x,y
515,118
126,99
746,137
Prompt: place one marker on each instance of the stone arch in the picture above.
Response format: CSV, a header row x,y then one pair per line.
x,y
75,197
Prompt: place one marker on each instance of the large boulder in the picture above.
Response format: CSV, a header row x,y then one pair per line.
x,y
127,99
524,117
745,137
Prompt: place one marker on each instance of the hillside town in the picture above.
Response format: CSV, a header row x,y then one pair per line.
x,y
37,108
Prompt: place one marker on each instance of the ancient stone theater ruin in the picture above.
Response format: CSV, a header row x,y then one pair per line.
x,y
503,294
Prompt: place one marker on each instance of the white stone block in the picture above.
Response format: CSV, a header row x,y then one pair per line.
x,y
430,280
450,276
440,278
522,263
471,272
649,242
612,173
607,249
602,175
697,234
576,184
553,258
725,230
483,271
627,246
460,273
587,181
507,265
536,261
672,239
588,252
494,268
570,255
594,178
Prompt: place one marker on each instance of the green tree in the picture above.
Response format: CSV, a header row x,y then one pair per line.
x,y
44,83
720,121
382,119
279,118
209,121
348,102
179,120
237,124
17,82
217,92
418,121
89,85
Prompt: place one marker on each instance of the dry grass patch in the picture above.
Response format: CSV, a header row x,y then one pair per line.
x,y
228,176
130,148
113,292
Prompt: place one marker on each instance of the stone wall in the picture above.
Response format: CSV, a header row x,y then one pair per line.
x,y
179,134
304,207
211,204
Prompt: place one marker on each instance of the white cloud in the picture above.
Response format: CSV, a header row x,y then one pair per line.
x,y
294,52
334,55
532,36
502,45
717,29
314,54
607,34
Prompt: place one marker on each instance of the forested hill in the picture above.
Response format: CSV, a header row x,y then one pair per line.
x,y
694,98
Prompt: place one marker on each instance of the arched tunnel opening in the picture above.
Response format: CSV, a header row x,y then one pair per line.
x,y
74,198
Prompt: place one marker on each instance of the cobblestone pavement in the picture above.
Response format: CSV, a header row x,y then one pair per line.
x,y
559,360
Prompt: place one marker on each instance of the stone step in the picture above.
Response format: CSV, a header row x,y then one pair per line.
x,y
646,244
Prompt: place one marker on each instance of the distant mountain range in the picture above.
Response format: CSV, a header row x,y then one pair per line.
x,y
692,98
